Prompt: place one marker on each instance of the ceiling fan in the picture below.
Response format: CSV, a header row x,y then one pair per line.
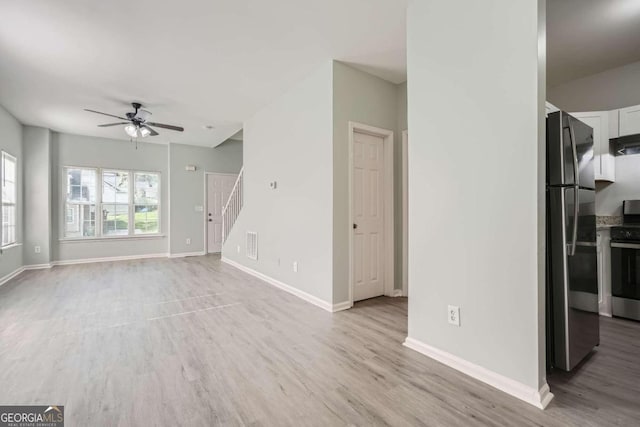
x,y
136,122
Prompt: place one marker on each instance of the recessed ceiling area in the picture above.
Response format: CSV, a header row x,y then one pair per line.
x,y
585,37
194,63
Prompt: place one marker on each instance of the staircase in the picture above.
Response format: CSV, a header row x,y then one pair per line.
x,y
232,209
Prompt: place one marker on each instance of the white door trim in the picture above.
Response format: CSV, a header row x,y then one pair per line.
x,y
387,136
405,213
205,206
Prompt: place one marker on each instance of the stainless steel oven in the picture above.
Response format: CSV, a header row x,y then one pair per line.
x,y
625,263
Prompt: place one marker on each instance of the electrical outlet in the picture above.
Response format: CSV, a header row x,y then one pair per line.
x,y
37,249
188,241
453,315
295,266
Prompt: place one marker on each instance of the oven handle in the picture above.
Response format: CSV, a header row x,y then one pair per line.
x,y
625,245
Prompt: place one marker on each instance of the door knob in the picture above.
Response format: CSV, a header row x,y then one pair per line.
x,y
209,213
355,226
210,220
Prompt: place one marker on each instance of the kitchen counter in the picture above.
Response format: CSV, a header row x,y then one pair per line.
x,y
605,222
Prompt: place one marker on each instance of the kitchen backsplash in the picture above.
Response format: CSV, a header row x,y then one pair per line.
x,y
608,220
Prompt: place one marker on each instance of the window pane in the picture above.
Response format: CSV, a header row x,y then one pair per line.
x,y
81,185
8,224
115,220
9,192
146,219
80,220
9,179
115,187
147,186
9,169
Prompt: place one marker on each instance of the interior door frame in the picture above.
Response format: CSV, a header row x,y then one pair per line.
x,y
388,203
205,207
405,213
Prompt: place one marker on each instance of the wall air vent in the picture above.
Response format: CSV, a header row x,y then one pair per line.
x,y
252,245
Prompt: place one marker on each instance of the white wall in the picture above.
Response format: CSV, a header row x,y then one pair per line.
x,y
187,189
474,183
611,89
363,98
11,141
290,141
37,195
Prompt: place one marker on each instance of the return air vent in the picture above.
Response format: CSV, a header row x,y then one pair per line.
x,y
252,245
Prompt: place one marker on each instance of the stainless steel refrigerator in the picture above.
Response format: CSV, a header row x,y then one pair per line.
x,y
573,325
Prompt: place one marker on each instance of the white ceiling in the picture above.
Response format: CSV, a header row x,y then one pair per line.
x,y
586,37
191,63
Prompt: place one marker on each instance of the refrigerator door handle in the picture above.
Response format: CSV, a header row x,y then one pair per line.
x,y
576,212
574,151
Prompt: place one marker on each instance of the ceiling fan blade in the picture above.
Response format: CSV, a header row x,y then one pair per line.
x,y
105,114
170,127
112,124
153,132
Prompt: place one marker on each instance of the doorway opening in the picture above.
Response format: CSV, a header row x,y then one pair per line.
x,y
218,188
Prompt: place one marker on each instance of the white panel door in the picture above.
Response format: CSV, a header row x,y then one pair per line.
x,y
219,187
368,216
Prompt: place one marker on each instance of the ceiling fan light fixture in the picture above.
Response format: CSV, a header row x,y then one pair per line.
x,y
133,131
145,131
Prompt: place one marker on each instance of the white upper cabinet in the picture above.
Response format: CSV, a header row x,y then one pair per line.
x,y
629,120
603,158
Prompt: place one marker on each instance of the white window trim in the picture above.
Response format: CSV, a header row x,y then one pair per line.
x,y
98,203
13,243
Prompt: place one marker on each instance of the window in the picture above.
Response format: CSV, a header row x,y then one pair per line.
x,y
146,203
127,203
71,218
115,203
80,203
9,198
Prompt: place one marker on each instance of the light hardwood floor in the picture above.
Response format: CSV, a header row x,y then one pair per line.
x,y
196,342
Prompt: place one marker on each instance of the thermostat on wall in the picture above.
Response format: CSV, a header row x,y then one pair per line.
x,y
190,168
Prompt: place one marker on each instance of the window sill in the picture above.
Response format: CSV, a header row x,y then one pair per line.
x,y
103,239
13,245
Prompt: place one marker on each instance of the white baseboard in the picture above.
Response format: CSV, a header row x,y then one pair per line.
x,y
345,305
107,259
186,254
11,275
538,398
287,288
38,266
396,293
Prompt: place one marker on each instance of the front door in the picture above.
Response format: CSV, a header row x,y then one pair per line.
x,y
219,187
368,216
